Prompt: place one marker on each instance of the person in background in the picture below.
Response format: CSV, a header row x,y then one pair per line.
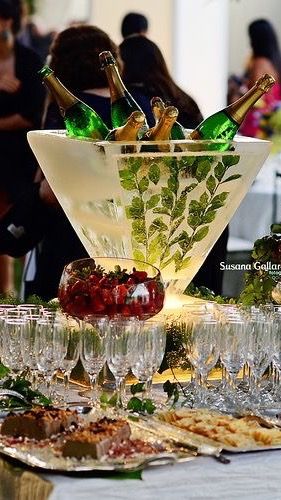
x,y
134,24
21,104
74,59
145,71
265,58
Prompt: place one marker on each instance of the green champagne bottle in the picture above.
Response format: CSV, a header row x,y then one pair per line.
x,y
158,106
122,103
225,123
80,120
129,131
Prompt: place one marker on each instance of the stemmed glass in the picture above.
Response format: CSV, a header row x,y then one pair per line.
x,y
202,348
70,336
94,332
277,355
120,351
50,349
260,353
148,353
12,344
233,355
28,347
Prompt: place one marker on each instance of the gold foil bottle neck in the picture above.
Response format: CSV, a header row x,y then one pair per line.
x,y
137,117
265,82
171,112
106,59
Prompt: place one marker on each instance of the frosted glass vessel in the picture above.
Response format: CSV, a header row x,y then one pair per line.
x,y
165,203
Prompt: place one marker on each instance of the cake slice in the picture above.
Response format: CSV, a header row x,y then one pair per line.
x,y
96,439
38,423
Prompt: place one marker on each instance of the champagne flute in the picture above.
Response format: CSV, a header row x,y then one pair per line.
x,y
49,350
94,331
120,351
28,349
70,332
148,353
203,348
233,354
12,344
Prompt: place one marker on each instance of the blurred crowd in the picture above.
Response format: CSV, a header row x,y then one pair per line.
x,y
33,226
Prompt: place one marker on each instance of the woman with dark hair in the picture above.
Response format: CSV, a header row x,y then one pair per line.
x,y
21,103
74,59
265,58
266,55
145,70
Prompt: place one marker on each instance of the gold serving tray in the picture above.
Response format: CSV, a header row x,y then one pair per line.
x,y
45,457
193,439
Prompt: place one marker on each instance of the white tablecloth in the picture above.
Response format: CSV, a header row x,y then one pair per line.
x,y
254,216
251,476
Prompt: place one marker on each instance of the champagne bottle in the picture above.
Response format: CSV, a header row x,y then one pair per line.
x,y
129,131
80,120
225,123
158,106
162,130
122,103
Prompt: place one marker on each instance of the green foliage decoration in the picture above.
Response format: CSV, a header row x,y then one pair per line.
x,y
165,222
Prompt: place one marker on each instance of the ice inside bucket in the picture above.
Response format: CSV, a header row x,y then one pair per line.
x,y
167,207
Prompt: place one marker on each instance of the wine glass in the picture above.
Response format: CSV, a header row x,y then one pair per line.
x,y
94,331
28,346
12,344
49,348
259,355
120,351
110,286
202,349
71,337
148,352
233,355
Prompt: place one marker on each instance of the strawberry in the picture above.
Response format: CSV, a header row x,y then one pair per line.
x,y
136,309
120,294
131,281
139,276
79,287
107,296
97,306
94,279
125,311
104,282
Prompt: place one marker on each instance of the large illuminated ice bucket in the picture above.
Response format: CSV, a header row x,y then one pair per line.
x,y
163,203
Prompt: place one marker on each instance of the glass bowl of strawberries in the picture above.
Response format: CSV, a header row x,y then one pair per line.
x,y
111,286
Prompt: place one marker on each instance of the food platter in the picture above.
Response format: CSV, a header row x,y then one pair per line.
x,y
44,455
249,432
153,441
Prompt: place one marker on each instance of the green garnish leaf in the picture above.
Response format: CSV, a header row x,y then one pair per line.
x,y
23,387
142,406
4,371
135,404
137,388
148,406
171,389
